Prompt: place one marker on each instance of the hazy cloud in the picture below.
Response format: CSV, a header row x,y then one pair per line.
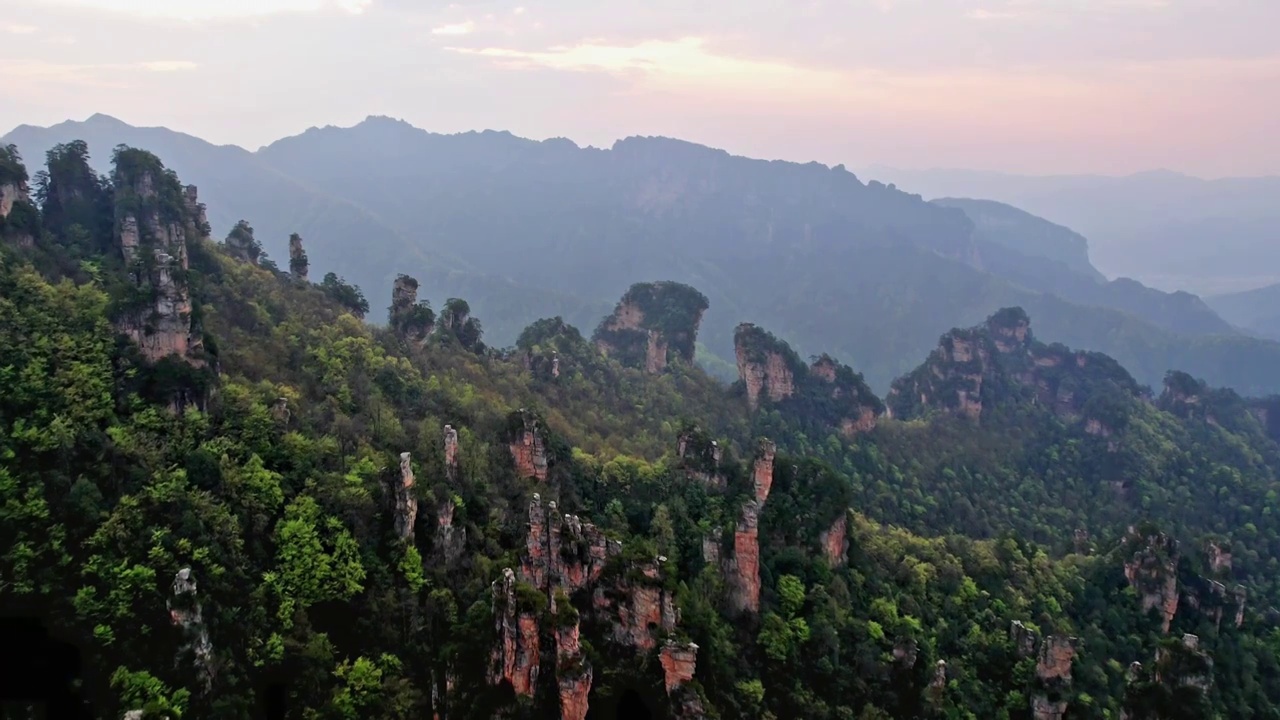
x,y
19,29
198,10
462,28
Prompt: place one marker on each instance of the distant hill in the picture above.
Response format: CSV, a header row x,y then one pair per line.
x,y
1166,229
524,229
1054,259
1257,311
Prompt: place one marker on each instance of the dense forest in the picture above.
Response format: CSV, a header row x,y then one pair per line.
x,y
242,493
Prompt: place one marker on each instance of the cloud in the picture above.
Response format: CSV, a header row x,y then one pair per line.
x,y
19,29
462,28
105,75
200,10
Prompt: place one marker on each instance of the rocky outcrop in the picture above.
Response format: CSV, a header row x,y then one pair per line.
x,y
700,457
1219,559
835,541
652,325
1053,677
1152,571
1000,361
410,319
744,566
527,445
1024,639
515,656
640,607
1184,664
186,613
406,511
763,367
827,392
242,245
573,672
450,453
152,232
12,193
679,661
905,653
299,265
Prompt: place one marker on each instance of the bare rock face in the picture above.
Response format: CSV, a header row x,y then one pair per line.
x,y
515,656
905,653
573,673
1241,595
450,453
10,194
1024,639
1219,559
410,319
528,449
835,541
1152,571
152,236
185,612
653,324
640,606
711,549
679,661
1057,653
939,682
242,245
744,566
299,265
762,367
1184,665
406,512
1043,708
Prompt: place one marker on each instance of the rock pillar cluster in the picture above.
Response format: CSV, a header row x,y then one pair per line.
x,y
652,324
515,656
763,369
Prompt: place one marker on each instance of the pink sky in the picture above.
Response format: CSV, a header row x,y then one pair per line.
x,y
1036,86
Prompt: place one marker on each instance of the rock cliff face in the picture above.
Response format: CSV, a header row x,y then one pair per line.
x,y
406,512
299,265
10,194
450,539
827,393
154,222
527,445
999,361
186,613
744,566
652,325
242,245
678,663
573,673
1053,675
515,655
1152,570
835,541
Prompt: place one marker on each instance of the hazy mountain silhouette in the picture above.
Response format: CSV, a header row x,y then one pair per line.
x,y
1164,228
1257,311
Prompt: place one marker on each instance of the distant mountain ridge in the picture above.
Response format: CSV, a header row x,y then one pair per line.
x,y
525,229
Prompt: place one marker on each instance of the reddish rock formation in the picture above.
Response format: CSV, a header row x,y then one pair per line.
x,y
1042,708
640,607
1153,572
834,541
528,449
770,378
653,323
299,265
655,355
1219,559
515,657
573,673
679,661
744,567
406,512
1024,639
1056,657
852,427
11,193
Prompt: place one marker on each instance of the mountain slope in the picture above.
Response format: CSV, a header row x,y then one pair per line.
x,y
1052,259
1166,229
1257,311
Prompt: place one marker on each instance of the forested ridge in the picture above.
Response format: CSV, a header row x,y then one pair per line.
x,y
240,493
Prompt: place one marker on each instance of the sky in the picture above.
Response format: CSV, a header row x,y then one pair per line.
x,y
1028,86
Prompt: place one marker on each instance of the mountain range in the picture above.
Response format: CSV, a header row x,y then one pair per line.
x,y
525,229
